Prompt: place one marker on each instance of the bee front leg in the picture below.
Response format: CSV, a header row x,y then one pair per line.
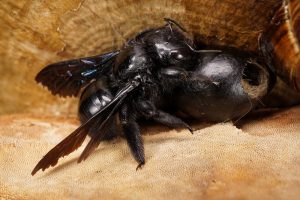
x,y
173,73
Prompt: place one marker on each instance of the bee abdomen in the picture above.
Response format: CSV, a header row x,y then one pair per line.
x,y
93,99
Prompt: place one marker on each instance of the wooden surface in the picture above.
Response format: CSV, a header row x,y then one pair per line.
x,y
281,42
35,33
258,160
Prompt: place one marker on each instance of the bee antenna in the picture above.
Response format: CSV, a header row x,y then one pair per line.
x,y
171,22
204,50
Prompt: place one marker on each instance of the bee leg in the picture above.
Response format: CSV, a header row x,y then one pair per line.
x,y
175,76
171,121
148,110
132,134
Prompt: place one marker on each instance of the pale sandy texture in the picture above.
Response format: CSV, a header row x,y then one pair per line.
x,y
261,160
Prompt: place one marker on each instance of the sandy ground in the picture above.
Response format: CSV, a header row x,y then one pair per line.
x,y
259,159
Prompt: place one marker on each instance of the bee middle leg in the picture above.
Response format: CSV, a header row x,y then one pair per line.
x,y
148,110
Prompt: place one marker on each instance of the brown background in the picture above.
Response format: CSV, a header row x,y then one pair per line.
x,y
36,33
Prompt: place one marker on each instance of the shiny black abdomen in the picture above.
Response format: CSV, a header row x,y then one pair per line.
x,y
93,98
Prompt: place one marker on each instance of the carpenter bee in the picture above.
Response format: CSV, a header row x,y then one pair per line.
x,y
156,75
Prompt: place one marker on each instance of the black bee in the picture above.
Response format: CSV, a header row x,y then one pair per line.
x,y
155,76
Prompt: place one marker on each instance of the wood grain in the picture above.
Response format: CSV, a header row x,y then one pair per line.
x,y
281,42
36,33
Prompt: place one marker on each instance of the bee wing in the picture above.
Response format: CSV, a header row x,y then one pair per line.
x,y
65,147
76,138
100,127
100,123
66,78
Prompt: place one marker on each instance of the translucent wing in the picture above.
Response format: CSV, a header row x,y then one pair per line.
x,y
68,77
75,139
